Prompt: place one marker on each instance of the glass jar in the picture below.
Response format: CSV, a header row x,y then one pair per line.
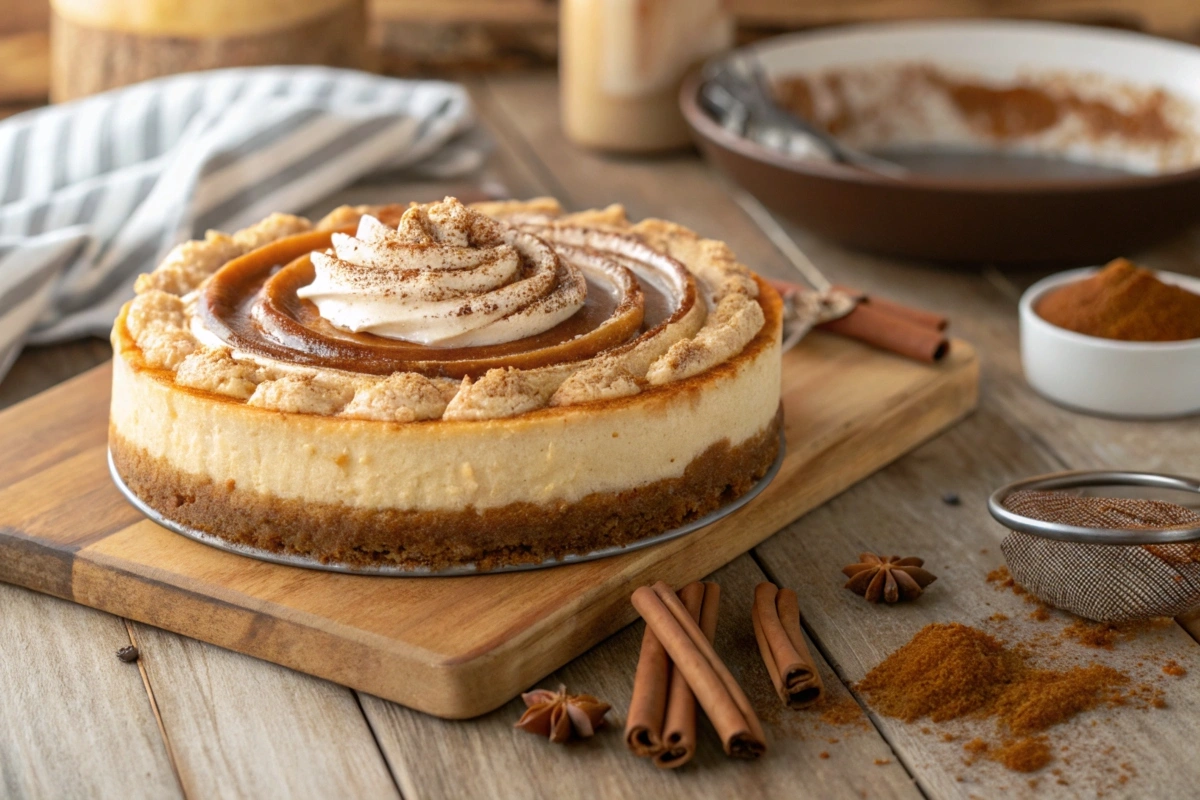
x,y
621,63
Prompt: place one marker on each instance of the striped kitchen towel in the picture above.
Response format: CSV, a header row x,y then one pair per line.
x,y
96,191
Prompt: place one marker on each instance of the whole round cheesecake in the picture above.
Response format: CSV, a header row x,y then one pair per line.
x,y
445,385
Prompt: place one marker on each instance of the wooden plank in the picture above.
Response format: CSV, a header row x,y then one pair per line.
x,y
51,434
240,727
39,368
838,430
900,511
438,759
76,721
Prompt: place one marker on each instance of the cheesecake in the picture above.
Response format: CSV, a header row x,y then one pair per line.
x,y
445,385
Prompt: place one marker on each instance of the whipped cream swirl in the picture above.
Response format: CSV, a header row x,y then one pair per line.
x,y
446,276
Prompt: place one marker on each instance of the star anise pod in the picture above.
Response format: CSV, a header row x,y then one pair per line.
x,y
560,716
889,579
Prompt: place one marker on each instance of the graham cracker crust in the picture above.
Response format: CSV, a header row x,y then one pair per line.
x,y
513,534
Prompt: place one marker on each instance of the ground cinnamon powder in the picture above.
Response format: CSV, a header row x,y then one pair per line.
x,y
1124,301
952,670
1024,755
1172,668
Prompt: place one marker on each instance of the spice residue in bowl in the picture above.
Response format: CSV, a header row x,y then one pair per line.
x,y
941,121
1126,302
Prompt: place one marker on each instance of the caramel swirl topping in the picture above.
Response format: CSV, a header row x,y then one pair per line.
x,y
405,313
446,276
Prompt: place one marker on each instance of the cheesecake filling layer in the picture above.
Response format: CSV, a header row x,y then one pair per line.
x,y
540,457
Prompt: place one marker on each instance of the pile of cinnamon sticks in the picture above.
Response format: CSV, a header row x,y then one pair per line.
x,y
891,326
679,667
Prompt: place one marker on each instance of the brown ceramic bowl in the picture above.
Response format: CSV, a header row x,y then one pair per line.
x,y
963,219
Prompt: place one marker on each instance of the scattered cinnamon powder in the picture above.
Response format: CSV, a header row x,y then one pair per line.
x,y
1172,668
1039,614
998,617
1127,302
823,754
952,670
879,762
976,746
1041,698
1004,580
1098,634
1024,755
843,712
1001,576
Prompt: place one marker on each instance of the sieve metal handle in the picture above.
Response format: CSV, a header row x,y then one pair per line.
x,y
1081,479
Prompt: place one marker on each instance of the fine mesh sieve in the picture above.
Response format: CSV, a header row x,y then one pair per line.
x,y
1108,559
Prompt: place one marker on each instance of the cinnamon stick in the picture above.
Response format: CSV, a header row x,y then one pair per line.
x,y
715,688
647,708
886,324
776,618
918,316
871,324
679,730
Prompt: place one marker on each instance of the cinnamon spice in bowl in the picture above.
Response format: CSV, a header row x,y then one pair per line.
x,y
1124,301
1119,341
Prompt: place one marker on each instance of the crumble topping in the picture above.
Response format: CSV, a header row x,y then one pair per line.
x,y
715,330
155,309
189,263
502,393
166,348
303,393
158,323
403,397
607,380
216,370
736,320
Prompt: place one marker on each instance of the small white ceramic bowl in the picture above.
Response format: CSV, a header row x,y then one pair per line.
x,y
1134,380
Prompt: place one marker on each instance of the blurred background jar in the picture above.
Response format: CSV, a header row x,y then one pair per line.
x,y
621,63
101,44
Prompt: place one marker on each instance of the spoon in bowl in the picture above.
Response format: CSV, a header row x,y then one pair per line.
x,y
750,99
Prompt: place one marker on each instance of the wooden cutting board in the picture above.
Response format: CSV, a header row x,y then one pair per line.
x,y
454,647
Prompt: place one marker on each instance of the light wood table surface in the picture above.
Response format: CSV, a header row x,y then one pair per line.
x,y
194,720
